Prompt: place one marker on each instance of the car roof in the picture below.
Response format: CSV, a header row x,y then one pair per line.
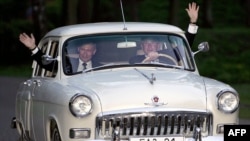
x,y
112,27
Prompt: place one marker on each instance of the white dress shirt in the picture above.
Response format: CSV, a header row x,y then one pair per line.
x,y
35,50
80,66
192,28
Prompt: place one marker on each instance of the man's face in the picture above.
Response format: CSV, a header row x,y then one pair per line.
x,y
86,52
149,46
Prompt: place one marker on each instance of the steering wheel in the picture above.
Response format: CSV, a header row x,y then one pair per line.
x,y
169,57
166,56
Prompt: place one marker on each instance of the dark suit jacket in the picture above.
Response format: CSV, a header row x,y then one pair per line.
x,y
72,65
38,58
190,37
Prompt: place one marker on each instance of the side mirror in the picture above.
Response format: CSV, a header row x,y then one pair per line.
x,y
47,59
202,47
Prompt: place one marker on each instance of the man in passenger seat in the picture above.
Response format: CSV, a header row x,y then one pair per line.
x,y
85,52
84,60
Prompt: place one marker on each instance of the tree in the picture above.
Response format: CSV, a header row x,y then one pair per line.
x,y
83,10
134,10
39,18
173,10
96,7
247,7
207,19
71,12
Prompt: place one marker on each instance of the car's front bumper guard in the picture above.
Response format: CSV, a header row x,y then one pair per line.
x,y
116,134
24,133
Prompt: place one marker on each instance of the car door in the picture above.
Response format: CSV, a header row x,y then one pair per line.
x,y
33,97
23,101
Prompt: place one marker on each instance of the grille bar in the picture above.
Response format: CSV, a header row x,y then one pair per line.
x,y
154,124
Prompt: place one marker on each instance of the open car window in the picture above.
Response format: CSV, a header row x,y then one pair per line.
x,y
48,47
120,49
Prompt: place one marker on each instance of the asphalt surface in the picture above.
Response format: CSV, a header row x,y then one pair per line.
x,y
8,88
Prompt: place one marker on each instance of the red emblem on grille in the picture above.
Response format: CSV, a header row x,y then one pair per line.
x,y
155,99
156,102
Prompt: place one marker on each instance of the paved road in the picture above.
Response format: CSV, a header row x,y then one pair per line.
x,y
8,87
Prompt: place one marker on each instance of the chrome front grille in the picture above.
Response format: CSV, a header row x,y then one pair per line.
x,y
153,124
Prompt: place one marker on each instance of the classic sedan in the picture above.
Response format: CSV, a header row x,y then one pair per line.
x,y
160,99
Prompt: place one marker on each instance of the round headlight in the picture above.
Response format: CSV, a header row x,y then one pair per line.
x,y
228,102
80,105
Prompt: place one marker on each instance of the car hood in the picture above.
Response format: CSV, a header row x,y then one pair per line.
x,y
131,88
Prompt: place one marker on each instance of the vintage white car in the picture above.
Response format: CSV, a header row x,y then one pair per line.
x,y
120,100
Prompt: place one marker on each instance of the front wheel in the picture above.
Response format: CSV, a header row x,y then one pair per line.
x,y
55,135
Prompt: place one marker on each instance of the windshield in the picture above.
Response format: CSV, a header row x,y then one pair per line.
x,y
81,52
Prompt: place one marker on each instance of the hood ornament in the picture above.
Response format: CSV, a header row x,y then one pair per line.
x,y
151,80
155,102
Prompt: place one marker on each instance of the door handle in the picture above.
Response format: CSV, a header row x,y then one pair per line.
x,y
37,82
28,83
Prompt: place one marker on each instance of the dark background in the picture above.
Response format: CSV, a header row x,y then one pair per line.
x,y
225,24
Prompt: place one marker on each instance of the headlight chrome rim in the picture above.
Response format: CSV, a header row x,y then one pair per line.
x,y
227,101
80,105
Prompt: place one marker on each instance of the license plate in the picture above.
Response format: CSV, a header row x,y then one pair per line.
x,y
157,139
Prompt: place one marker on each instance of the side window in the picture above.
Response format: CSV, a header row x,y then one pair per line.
x,y
38,68
48,48
53,52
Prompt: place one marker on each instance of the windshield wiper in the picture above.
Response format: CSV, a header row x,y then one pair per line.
x,y
106,66
151,80
159,65
114,65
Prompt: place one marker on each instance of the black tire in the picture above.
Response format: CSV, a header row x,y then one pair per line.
x,y
55,135
24,135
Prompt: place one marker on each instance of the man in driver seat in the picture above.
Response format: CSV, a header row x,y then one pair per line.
x,y
152,53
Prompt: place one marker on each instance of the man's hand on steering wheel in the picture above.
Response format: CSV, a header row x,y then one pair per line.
x,y
151,57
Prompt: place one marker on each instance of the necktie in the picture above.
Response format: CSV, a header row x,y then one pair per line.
x,y
84,66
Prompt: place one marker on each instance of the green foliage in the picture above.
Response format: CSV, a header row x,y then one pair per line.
x,y
228,12
53,12
243,90
23,70
153,11
228,58
108,15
